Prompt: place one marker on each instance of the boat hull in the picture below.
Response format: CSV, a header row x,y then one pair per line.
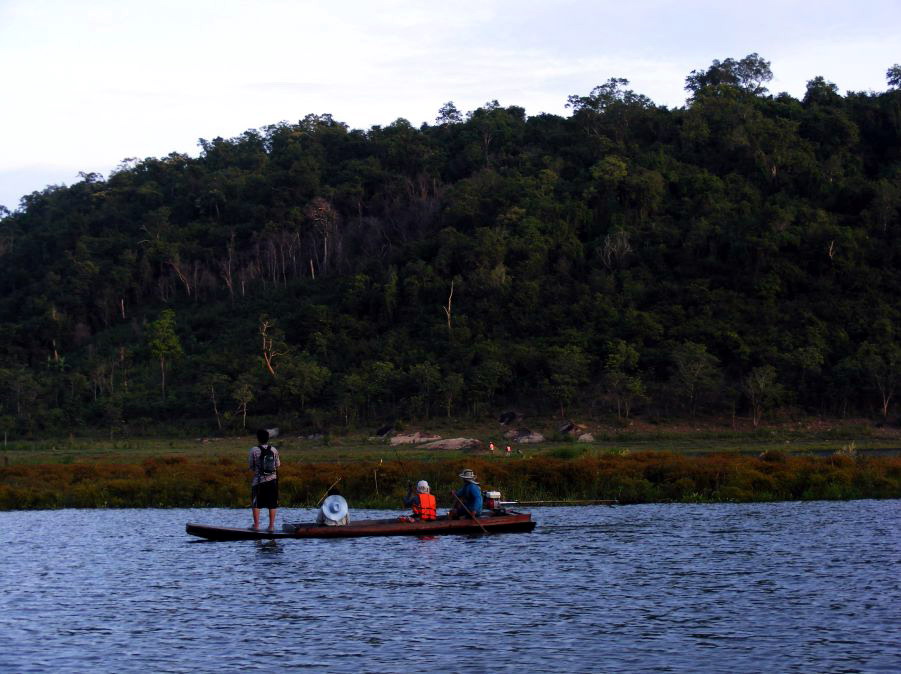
x,y
502,523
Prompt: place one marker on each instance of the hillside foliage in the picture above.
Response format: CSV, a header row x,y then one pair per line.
x,y
735,255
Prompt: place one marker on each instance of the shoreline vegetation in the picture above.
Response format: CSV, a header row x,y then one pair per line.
x,y
806,461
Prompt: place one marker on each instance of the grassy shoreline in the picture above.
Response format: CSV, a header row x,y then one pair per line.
x,y
633,477
643,463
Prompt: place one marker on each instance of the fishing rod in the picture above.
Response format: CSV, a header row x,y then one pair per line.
x,y
563,502
405,469
319,502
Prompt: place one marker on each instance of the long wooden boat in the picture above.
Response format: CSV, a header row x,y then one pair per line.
x,y
508,521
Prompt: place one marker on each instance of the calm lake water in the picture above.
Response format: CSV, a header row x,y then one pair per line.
x,y
783,587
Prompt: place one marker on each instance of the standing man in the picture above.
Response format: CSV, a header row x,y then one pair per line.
x,y
264,463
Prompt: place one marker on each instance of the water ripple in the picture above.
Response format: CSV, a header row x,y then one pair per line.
x,y
739,588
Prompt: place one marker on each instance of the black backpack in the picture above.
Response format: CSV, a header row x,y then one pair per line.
x,y
267,460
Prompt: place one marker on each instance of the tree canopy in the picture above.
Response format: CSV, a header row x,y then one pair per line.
x,y
734,253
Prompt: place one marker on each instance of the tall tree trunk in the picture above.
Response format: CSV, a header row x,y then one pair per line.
x,y
447,309
215,408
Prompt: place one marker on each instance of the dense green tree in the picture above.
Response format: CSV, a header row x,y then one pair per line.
x,y
893,76
567,374
451,387
301,380
763,390
244,391
426,377
880,365
622,381
449,114
164,342
696,374
750,74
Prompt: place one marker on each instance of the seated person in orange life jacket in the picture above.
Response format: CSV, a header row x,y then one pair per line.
x,y
423,503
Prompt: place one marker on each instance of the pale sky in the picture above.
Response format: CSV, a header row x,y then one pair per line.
x,y
88,83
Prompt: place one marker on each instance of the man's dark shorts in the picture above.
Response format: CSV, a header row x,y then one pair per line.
x,y
264,495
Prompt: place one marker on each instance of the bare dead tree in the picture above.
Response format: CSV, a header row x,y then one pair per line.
x,y
447,309
123,363
177,267
325,224
215,407
198,271
164,287
616,247
270,352
206,282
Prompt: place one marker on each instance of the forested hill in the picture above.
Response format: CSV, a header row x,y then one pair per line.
x,y
741,253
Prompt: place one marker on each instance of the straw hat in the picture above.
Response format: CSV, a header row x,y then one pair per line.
x,y
334,508
468,475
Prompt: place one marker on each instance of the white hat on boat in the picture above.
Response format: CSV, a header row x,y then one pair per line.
x,y
422,487
468,475
334,508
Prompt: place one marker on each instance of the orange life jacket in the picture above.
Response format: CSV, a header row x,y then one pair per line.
x,y
426,508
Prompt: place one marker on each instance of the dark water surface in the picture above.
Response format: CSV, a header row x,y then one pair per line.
x,y
806,587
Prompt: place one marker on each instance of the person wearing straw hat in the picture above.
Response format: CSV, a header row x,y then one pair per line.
x,y
467,499
334,510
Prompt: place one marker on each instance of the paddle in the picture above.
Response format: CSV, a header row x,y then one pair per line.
x,y
468,511
319,502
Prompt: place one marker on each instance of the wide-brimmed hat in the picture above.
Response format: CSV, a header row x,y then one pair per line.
x,y
334,508
468,475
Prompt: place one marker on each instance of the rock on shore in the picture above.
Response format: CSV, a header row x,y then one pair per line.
x,y
413,438
454,443
524,436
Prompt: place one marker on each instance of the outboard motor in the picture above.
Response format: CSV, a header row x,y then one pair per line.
x,y
491,500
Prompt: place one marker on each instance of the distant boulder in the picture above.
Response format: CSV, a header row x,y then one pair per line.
x,y
509,417
413,438
571,428
585,437
524,436
385,430
454,443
